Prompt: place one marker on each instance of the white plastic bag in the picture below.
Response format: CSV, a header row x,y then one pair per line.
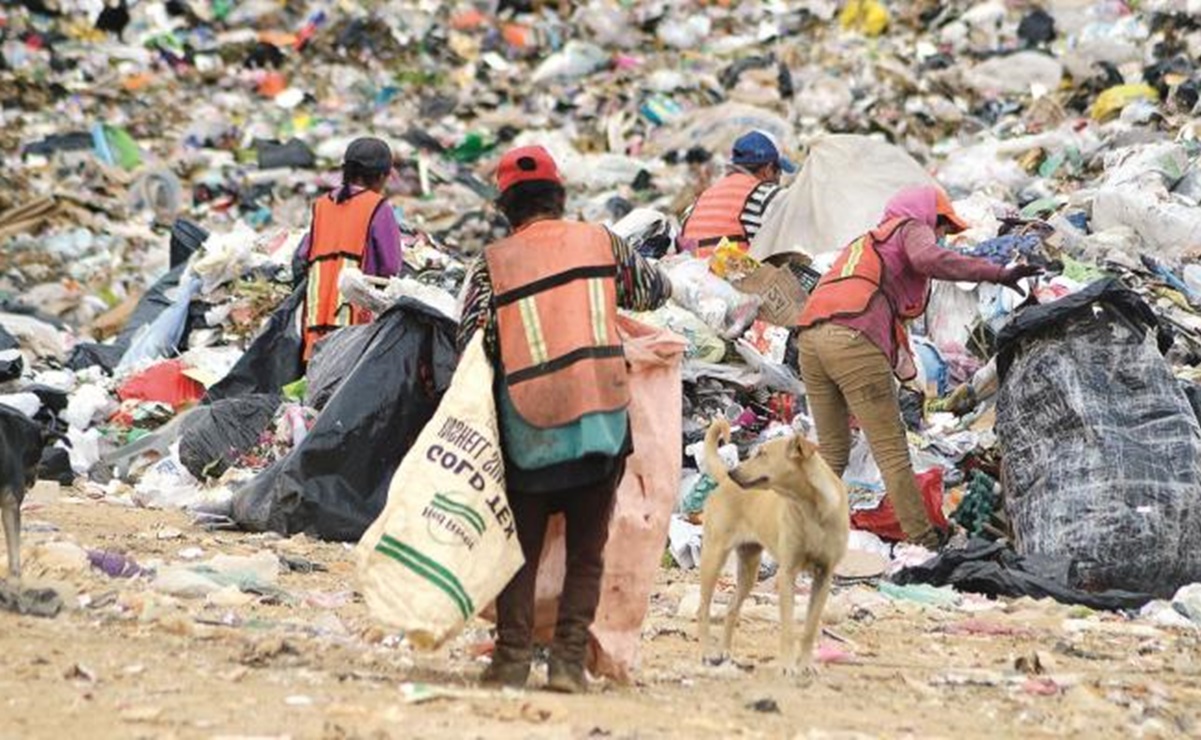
x,y
723,307
445,544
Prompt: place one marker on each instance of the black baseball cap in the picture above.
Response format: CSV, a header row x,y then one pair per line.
x,y
369,154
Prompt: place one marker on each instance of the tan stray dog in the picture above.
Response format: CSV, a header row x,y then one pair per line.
x,y
784,498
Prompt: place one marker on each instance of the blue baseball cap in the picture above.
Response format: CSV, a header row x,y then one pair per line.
x,y
757,149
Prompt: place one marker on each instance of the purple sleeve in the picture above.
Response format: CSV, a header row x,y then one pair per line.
x,y
931,260
384,251
302,252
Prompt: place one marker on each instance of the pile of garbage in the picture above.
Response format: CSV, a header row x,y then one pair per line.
x,y
160,160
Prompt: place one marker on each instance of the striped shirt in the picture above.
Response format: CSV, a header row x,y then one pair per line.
x,y
754,211
757,204
640,287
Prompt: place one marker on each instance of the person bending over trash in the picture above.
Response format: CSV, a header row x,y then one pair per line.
x,y
547,299
853,340
734,207
352,227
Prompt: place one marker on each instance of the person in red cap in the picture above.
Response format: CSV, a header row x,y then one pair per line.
x,y
546,298
853,340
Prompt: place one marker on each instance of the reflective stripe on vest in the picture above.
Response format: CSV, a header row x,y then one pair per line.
x,y
852,282
555,292
717,214
339,239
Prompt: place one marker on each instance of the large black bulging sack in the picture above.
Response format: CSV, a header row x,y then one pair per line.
x,y
335,483
1101,449
219,433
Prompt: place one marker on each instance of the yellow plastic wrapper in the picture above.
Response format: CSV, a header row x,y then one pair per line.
x,y
1110,103
868,17
731,262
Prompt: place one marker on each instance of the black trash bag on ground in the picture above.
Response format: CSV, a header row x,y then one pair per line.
x,y
1101,450
335,483
334,357
186,238
294,153
91,354
273,358
217,435
8,341
1037,28
11,367
994,569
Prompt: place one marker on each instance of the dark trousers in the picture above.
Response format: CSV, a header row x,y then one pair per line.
x,y
587,511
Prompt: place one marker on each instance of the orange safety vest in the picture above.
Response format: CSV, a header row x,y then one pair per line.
x,y
853,281
554,287
717,213
338,239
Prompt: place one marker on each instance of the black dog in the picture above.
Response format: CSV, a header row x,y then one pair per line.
x,y
20,450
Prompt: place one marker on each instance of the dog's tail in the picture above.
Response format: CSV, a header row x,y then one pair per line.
x,y
719,432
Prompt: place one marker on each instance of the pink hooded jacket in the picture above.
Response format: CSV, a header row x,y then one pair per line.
x,y
912,257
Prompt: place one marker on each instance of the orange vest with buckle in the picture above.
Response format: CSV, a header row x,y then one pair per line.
x,y
554,290
718,212
853,281
338,239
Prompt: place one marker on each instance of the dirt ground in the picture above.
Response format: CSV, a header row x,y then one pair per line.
x,y
124,661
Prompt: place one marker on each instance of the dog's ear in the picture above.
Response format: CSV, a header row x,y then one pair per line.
x,y
801,447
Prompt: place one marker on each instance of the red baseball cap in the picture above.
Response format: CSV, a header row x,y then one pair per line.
x,y
526,164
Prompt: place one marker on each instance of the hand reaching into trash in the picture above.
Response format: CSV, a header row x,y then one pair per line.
x,y
1012,277
962,400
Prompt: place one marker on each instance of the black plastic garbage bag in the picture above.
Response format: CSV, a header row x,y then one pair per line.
x,y
334,357
11,367
91,354
273,358
335,483
8,341
218,434
1101,450
293,153
186,238
1037,28
994,569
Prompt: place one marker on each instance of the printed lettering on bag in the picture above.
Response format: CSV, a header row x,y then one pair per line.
x,y
471,456
450,521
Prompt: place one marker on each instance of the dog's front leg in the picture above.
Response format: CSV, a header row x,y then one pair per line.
x,y
713,556
787,590
823,579
10,512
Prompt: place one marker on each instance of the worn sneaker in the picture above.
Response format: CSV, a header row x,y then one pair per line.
x,y
566,677
507,670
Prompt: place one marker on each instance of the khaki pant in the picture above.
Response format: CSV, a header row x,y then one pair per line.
x,y
845,374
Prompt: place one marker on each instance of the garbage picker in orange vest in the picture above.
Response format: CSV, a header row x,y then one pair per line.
x,y
353,226
546,298
854,345
735,206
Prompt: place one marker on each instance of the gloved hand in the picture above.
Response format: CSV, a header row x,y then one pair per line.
x,y
962,399
1012,276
